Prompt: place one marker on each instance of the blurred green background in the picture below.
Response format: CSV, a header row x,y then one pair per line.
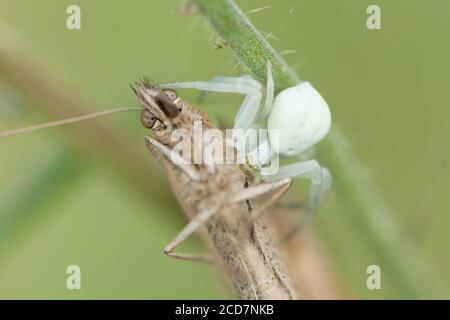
x,y
63,204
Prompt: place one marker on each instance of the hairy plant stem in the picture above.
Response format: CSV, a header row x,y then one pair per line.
x,y
407,267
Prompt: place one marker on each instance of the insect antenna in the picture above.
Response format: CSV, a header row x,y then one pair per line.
x,y
14,132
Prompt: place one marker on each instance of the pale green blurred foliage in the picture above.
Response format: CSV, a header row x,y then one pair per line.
x,y
388,91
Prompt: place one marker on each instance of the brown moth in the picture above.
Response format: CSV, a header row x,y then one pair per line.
x,y
215,196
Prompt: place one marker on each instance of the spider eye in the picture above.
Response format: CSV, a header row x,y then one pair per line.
x,y
148,120
170,94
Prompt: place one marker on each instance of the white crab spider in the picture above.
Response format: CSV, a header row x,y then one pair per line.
x,y
299,114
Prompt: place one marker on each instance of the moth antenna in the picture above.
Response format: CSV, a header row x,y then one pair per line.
x,y
14,132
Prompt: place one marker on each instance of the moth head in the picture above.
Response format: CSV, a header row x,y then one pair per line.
x,y
161,105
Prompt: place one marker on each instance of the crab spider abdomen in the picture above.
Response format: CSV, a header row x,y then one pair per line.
x,y
302,118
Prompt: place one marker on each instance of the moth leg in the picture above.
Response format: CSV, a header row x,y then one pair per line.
x,y
174,157
281,186
189,229
258,211
208,258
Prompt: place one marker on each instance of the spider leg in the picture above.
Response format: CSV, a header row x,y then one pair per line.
x,y
320,179
245,79
243,85
270,91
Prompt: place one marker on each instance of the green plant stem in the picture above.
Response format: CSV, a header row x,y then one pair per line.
x,y
249,46
408,269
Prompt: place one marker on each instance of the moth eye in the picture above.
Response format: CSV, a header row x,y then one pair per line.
x,y
170,94
148,120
